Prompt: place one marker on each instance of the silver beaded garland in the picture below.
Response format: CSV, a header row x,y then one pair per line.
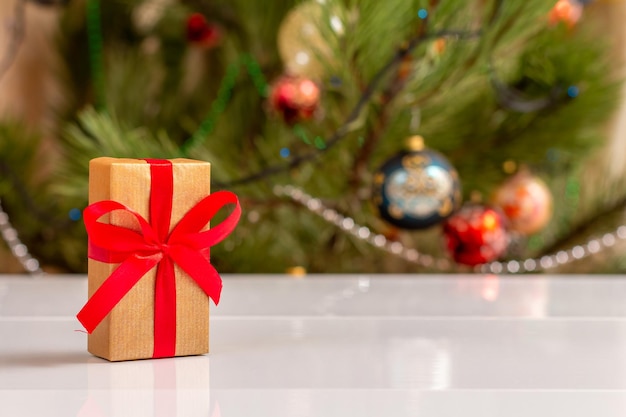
x,y
348,224
19,250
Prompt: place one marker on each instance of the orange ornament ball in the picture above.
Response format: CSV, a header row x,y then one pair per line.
x,y
526,201
566,11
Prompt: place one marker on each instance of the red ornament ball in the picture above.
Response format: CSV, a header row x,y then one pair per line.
x,y
202,33
526,202
475,235
294,98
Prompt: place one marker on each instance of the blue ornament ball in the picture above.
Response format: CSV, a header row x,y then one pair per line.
x,y
416,189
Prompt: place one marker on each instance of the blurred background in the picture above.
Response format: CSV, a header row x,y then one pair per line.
x,y
360,135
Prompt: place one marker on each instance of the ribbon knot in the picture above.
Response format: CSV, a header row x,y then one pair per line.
x,y
164,248
152,245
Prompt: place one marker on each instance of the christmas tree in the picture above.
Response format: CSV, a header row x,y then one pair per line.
x,y
305,110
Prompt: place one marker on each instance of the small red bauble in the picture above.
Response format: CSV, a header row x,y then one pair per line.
x,y
202,33
294,98
475,235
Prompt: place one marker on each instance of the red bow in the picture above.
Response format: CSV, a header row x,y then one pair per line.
x,y
138,252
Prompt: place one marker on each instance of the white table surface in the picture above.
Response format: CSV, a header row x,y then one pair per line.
x,y
384,346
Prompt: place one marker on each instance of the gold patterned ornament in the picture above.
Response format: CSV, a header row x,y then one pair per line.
x,y
416,188
308,36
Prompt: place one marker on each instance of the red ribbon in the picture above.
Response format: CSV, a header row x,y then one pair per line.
x,y
138,252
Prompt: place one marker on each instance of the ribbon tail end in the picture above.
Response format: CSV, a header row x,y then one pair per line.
x,y
87,328
215,296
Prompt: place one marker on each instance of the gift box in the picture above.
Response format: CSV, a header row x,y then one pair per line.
x,y
149,271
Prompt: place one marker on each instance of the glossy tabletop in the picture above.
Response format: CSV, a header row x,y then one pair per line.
x,y
329,345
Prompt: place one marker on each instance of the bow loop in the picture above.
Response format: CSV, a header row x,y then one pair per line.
x,y
114,239
188,232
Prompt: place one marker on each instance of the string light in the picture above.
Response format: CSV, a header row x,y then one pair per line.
x,y
75,214
573,91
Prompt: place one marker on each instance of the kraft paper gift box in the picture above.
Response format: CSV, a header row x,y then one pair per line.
x,y
135,224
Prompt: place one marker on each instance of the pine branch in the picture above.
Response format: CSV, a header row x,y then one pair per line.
x,y
584,227
18,187
362,158
353,116
359,166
